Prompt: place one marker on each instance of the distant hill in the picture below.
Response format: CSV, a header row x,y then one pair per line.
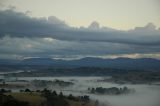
x,y
119,63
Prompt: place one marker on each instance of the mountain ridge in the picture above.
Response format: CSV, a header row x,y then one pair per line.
x,y
121,63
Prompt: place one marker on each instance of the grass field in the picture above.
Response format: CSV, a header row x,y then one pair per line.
x,y
75,103
34,99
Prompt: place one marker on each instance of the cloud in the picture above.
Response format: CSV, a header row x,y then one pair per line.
x,y
49,47
94,25
17,24
149,29
25,36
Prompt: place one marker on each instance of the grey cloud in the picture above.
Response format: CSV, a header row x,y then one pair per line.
x,y
48,47
149,29
94,25
18,24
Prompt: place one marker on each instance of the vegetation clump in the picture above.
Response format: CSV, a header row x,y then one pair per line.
x,y
111,91
43,97
42,83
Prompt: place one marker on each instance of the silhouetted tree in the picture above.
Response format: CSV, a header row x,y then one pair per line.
x,y
61,95
54,93
27,90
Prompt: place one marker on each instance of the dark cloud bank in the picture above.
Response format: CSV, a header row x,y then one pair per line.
x,y
26,36
18,24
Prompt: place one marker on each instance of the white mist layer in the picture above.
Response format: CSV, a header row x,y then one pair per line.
x,y
146,95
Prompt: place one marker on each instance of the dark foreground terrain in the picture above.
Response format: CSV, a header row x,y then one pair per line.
x,y
43,98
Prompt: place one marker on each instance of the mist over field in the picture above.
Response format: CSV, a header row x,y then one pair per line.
x,y
145,95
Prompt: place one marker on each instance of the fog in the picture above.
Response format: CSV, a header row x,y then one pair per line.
x,y
145,95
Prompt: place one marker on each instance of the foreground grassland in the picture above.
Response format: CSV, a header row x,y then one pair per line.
x,y
43,98
34,99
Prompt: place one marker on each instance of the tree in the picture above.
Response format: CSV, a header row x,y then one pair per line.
x,y
92,90
27,90
61,94
71,97
54,93
4,82
85,98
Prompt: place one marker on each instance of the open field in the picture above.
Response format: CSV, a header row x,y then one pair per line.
x,y
34,99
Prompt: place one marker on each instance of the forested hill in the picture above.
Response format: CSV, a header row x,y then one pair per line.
x,y
119,63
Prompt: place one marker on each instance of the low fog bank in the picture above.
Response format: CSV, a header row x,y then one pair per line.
x,y
145,95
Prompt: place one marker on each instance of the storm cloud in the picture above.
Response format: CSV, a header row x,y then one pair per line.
x,y
21,47
17,24
24,36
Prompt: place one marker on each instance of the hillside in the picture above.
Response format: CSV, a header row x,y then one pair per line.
x,y
119,63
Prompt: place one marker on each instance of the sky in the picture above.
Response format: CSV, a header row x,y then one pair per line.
x,y
79,28
119,14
